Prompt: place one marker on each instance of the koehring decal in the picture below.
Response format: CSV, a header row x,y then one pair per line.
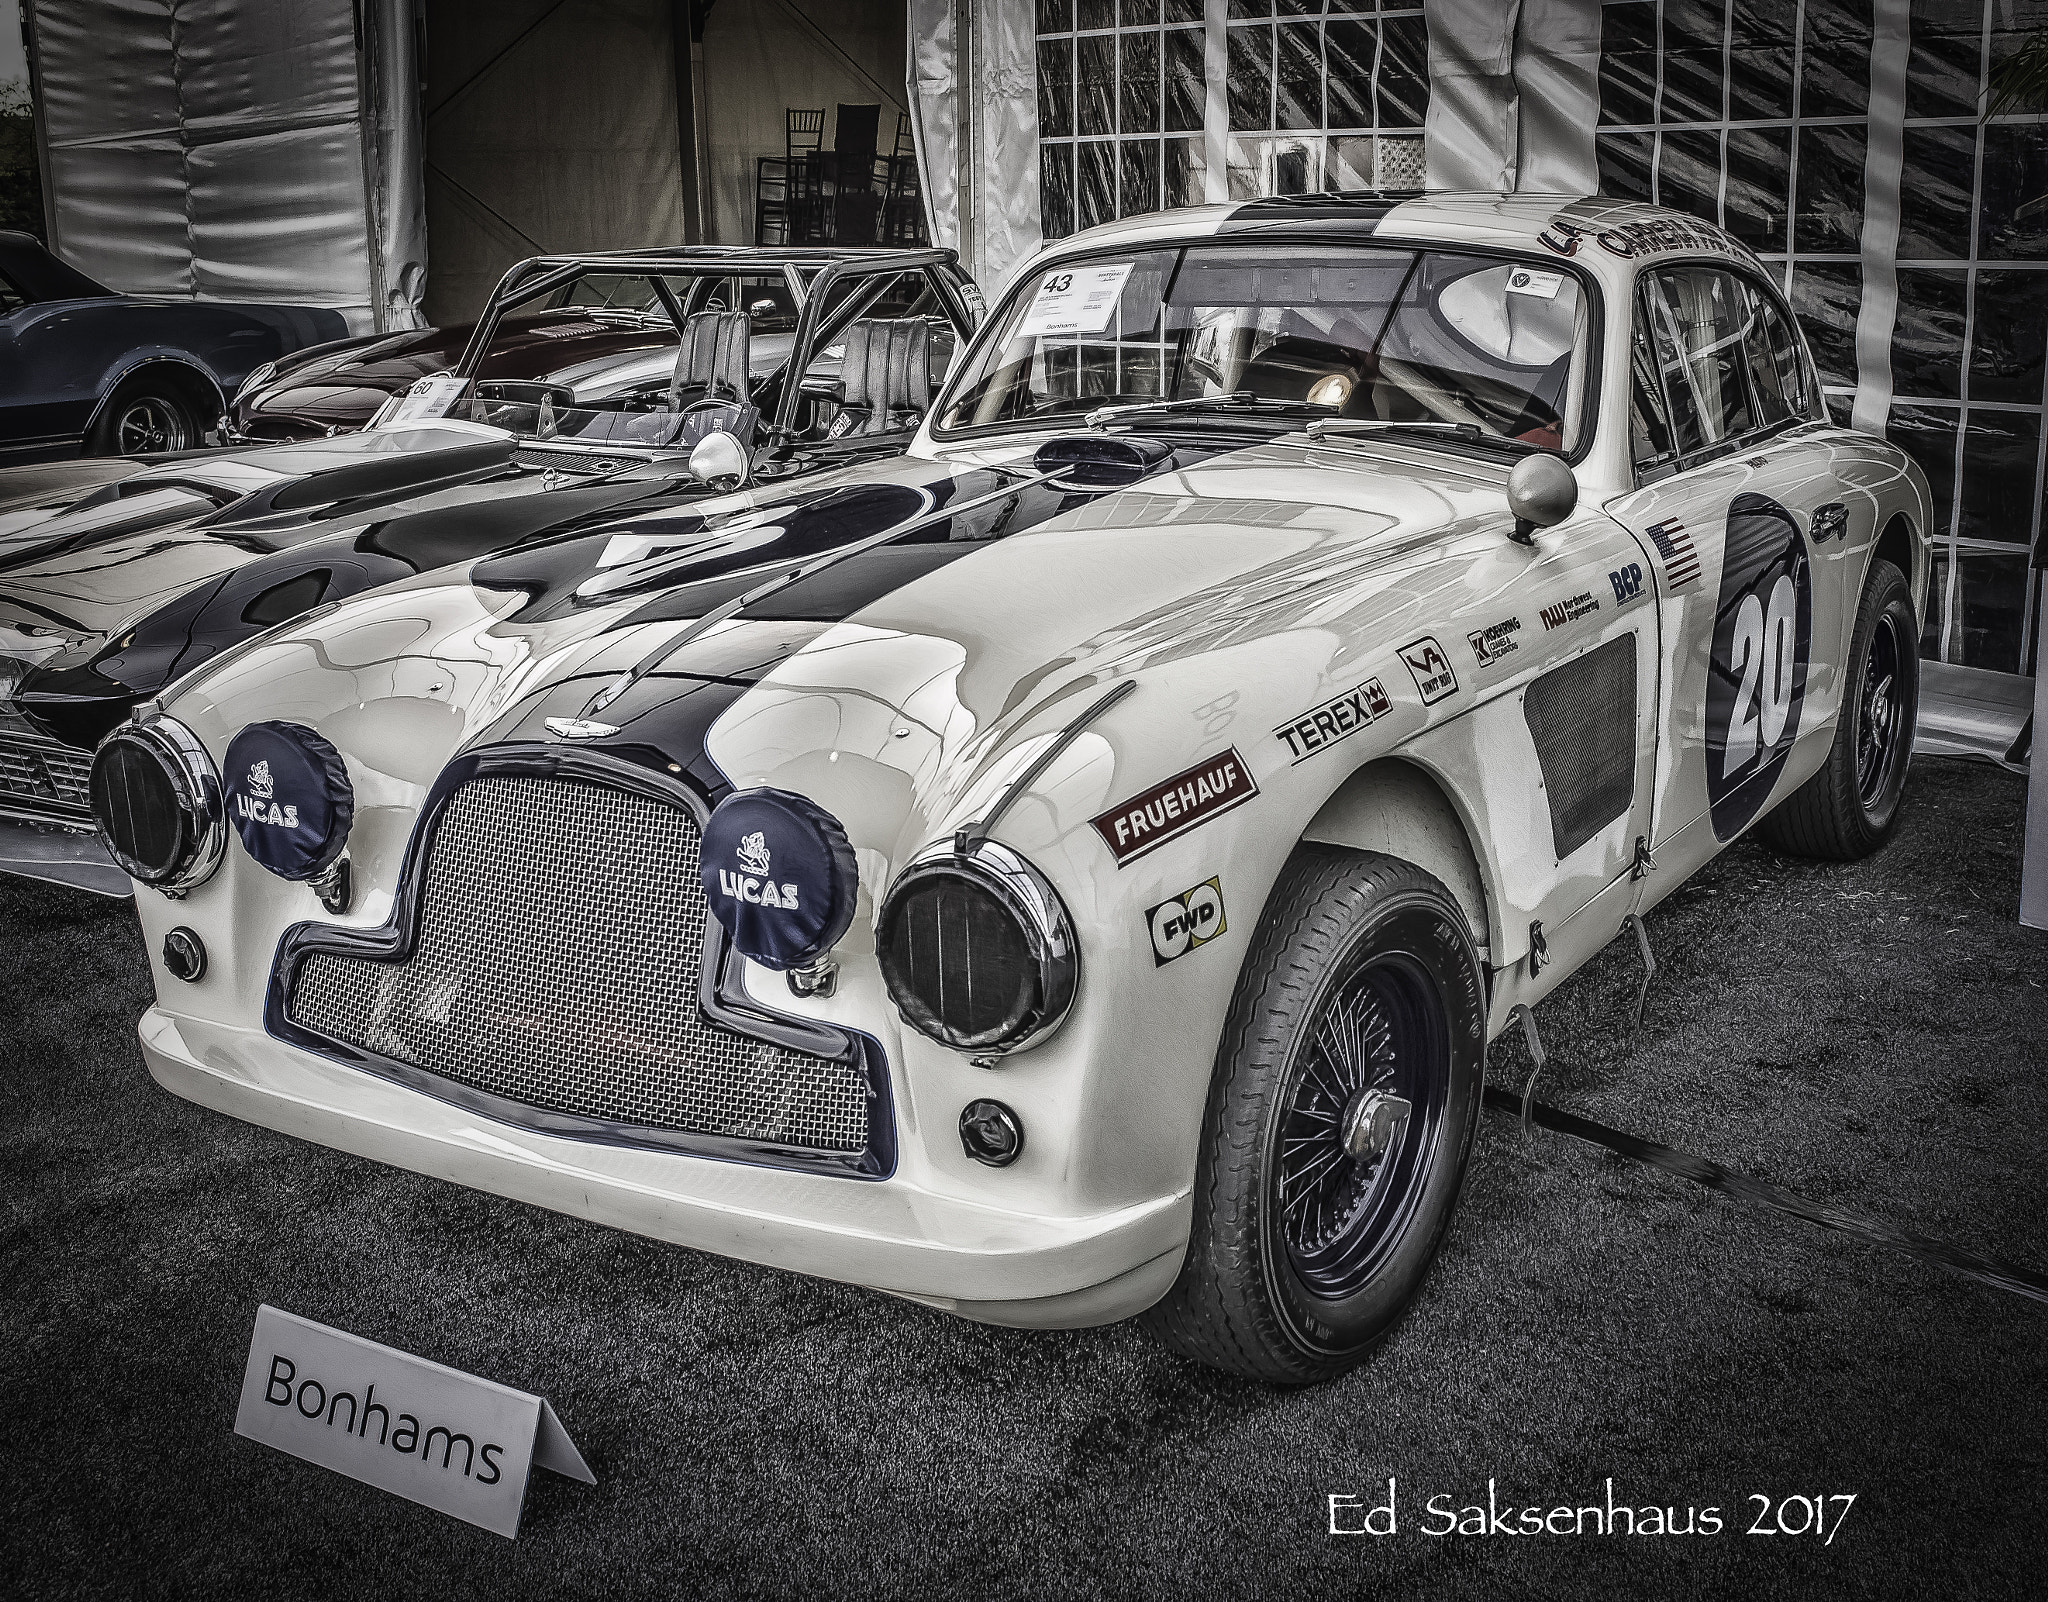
x,y
1334,719
1170,809
1495,641
1556,617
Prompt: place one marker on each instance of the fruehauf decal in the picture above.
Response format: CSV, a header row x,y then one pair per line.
x,y
1430,667
1338,717
1756,675
1495,641
1174,806
1185,922
437,1436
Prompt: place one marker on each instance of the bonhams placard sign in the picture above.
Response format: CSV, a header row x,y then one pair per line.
x,y
448,1440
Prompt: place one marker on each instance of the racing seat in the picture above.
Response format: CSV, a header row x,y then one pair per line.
x,y
885,376
711,363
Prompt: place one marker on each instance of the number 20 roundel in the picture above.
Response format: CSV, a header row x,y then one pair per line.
x,y
1756,677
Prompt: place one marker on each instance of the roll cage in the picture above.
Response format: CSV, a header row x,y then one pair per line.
x,y
812,275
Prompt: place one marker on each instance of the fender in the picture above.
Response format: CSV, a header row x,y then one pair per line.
x,y
1399,809
155,356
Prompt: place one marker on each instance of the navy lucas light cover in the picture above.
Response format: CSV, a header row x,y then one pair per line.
x,y
780,876
288,797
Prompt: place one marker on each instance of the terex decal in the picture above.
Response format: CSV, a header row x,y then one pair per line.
x,y
1756,674
1334,719
1430,668
1171,808
1192,918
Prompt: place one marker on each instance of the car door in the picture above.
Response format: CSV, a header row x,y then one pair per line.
x,y
1733,478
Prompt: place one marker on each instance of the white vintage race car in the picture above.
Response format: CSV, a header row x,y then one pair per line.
x,y
1072,871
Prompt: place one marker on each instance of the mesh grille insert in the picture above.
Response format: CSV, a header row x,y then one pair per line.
x,y
1583,720
559,942
35,769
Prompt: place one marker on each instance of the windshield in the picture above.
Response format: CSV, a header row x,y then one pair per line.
x,y
1369,333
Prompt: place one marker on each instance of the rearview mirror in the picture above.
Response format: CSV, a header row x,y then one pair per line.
x,y
1542,491
720,461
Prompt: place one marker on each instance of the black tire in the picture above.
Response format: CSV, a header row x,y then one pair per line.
x,y
1851,806
144,415
1351,943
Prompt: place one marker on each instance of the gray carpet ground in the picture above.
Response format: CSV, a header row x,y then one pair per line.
x,y
1870,1035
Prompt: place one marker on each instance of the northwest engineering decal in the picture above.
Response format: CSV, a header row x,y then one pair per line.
x,y
1756,673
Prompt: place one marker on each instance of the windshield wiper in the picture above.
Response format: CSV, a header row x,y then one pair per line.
x,y
1469,433
1242,400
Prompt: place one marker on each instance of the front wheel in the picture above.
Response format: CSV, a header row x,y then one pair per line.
x,y
1339,1124
1850,808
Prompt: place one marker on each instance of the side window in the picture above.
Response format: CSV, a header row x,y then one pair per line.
x,y
1784,358
1700,319
1650,438
1761,343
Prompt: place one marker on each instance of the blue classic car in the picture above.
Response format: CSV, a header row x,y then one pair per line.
x,y
85,369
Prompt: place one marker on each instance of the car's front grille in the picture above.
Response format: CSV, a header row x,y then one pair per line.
x,y
559,939
41,775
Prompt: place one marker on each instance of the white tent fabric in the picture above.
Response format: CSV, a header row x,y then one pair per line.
x,y
1514,95
237,150
980,160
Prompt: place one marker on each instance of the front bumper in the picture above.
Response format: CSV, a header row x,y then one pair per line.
x,y
61,854
964,1257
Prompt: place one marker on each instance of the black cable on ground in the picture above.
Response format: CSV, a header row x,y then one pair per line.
x,y
1985,1270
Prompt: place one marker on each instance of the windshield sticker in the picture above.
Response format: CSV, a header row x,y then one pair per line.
x,y
1527,281
1170,809
1076,300
1430,668
1495,641
1333,720
429,398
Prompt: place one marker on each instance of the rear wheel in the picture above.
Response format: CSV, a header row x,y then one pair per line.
x,y
1851,806
1339,1124
144,415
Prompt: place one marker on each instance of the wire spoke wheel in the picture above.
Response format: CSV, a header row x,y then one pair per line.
x,y
1356,1137
1881,720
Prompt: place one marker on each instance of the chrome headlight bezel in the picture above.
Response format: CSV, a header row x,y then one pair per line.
x,y
1045,995
195,795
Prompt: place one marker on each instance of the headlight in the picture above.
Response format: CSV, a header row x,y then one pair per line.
x,y
977,951
156,797
255,381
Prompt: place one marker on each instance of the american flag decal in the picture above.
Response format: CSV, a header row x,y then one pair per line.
x,y
1681,563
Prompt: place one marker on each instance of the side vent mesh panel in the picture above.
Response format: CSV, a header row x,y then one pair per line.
x,y
1583,720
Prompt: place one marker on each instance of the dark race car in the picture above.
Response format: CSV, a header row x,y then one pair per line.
x,y
118,577
597,340
85,369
